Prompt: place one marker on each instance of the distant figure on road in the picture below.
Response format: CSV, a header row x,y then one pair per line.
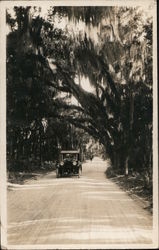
x,y
91,157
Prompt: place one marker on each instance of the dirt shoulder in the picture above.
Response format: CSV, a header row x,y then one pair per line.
x,y
134,186
20,177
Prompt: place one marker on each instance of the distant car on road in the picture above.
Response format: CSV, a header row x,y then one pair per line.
x,y
69,163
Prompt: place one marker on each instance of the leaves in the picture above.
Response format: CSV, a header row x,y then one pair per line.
x,y
43,62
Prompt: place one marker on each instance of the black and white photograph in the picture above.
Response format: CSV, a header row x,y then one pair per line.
x,y
78,133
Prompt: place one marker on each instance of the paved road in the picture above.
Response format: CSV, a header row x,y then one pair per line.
x,y
88,210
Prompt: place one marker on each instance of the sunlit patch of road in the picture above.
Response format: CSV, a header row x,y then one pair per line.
x,y
86,210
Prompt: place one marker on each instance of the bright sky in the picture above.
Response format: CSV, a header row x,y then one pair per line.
x,y
85,84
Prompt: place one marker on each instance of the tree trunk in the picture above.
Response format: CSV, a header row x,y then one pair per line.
x,y
127,166
131,109
131,120
40,147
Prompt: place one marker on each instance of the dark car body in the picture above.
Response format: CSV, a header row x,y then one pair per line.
x,y
69,163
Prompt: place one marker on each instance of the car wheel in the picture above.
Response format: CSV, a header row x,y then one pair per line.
x,y
57,173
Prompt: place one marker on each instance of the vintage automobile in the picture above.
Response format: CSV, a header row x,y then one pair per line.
x,y
69,163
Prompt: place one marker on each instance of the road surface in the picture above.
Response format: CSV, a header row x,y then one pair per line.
x,y
81,211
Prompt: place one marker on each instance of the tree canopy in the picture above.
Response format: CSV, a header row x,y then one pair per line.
x,y
109,46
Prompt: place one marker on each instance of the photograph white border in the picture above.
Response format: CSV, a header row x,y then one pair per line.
x,y
3,175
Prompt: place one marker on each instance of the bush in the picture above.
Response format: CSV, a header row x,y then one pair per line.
x,y
110,173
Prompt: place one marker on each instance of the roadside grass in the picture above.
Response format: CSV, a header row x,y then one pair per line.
x,y
21,175
133,184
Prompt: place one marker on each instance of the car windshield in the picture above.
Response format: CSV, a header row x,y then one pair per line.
x,y
71,157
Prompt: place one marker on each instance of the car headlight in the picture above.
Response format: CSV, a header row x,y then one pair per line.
x,y
61,163
74,163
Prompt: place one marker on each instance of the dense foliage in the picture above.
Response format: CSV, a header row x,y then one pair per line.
x,y
43,65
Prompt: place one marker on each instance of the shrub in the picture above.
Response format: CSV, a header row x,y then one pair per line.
x,y
110,173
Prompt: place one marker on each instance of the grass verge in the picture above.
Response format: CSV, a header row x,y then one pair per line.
x,y
134,185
